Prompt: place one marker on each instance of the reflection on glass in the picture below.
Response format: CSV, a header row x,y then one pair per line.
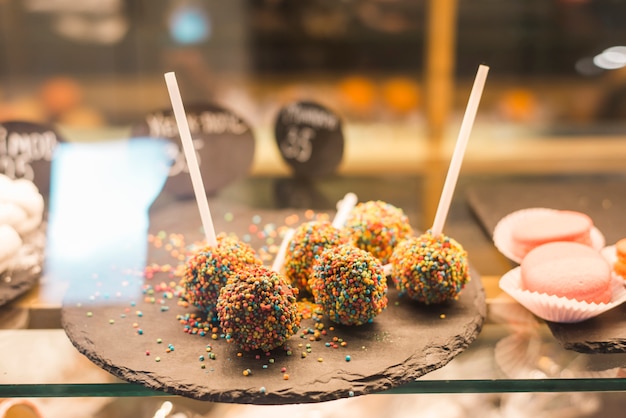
x,y
98,216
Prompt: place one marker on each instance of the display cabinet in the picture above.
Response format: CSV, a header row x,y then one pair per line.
x,y
397,74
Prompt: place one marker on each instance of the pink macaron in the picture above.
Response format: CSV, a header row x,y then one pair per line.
x,y
550,226
567,269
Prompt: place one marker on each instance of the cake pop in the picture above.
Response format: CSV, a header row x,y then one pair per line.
x,y
258,309
211,267
300,247
430,269
433,267
349,285
377,227
308,242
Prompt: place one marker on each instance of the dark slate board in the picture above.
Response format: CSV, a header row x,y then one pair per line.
x,y
25,276
405,342
605,333
601,198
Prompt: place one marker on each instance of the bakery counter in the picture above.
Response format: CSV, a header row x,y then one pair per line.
x,y
513,352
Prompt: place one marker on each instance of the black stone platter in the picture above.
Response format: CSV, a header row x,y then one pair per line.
x,y
604,201
141,341
27,272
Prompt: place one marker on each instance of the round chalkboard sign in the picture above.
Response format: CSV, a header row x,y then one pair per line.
x,y
223,141
26,150
309,138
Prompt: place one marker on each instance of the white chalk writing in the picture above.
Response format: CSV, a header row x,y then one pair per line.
x,y
317,118
207,122
19,149
297,145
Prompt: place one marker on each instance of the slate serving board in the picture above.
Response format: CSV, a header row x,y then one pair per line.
x,y
604,199
403,343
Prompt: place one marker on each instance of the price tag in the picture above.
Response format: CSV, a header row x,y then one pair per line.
x,y
26,151
309,138
223,141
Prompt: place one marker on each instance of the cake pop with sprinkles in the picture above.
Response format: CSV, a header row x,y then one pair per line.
x,y
433,267
377,227
430,269
211,267
258,310
308,241
304,244
349,284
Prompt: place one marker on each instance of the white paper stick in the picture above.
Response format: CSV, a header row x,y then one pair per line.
x,y
459,151
190,156
277,266
345,206
387,269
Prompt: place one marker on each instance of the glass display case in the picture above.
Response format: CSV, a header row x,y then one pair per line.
x,y
397,75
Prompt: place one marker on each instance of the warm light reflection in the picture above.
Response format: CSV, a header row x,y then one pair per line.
x,y
164,410
611,58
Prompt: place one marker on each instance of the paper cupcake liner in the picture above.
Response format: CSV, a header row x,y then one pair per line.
x,y
610,255
503,239
555,308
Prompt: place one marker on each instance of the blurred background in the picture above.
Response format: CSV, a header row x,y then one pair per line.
x,y
556,65
398,73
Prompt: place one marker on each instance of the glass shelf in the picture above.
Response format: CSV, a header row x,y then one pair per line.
x,y
515,352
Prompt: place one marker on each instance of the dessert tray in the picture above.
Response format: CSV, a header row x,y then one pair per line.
x,y
559,309
604,201
134,328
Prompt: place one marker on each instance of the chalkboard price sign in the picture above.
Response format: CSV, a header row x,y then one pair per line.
x,y
26,150
223,141
309,138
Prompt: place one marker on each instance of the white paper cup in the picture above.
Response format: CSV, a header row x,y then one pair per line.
x,y
610,255
555,308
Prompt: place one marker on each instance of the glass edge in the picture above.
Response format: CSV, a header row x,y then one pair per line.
x,y
61,390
